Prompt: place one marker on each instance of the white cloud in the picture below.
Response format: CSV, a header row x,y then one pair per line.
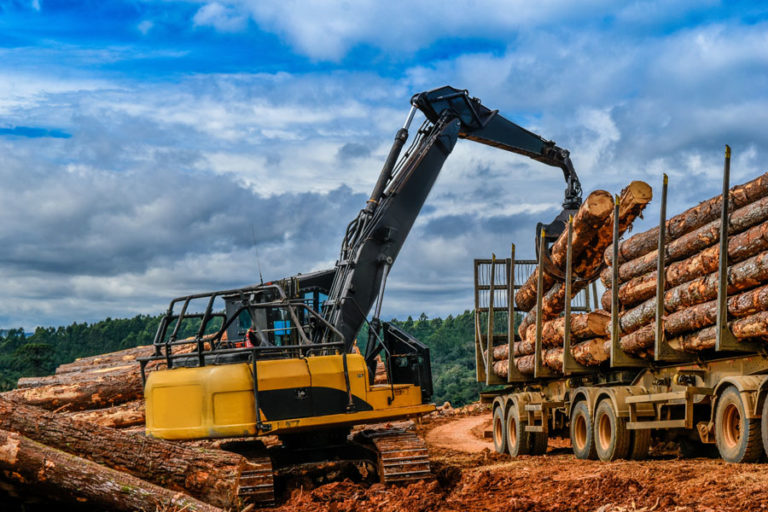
x,y
101,223
221,17
145,26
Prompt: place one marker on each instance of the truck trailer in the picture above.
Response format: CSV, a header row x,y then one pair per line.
x,y
706,387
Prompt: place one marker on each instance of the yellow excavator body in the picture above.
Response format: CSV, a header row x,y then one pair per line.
x,y
295,394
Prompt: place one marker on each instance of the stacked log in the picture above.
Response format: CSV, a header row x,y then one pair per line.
x,y
692,258
591,352
592,233
591,216
588,332
632,201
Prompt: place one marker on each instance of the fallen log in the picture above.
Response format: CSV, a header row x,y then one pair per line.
x,y
591,215
119,416
103,360
699,215
740,247
126,370
689,244
78,480
741,276
212,476
79,396
633,199
753,327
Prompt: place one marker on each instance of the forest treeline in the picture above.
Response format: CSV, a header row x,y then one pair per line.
x,y
27,355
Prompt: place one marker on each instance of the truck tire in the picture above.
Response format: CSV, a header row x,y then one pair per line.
x,y
582,438
518,440
499,430
764,426
639,444
737,437
611,434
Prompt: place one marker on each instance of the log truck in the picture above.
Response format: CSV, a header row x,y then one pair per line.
x,y
280,358
706,389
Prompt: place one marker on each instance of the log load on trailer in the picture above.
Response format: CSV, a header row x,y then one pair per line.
x,y
678,349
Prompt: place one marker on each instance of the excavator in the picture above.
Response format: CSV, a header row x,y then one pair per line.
x,y
280,358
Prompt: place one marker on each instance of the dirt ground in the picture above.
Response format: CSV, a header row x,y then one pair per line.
x,y
470,476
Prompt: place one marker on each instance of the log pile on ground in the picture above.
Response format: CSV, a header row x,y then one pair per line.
x,y
592,233
692,257
78,435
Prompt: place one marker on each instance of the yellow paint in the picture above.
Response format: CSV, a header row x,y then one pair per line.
x,y
217,401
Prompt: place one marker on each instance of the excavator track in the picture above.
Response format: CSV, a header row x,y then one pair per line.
x,y
402,456
257,484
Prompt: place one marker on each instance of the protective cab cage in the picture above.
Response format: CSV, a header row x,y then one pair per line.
x,y
261,322
280,327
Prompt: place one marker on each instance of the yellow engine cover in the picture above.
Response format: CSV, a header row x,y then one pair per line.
x,y
294,394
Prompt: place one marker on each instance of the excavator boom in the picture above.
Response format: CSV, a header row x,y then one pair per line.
x,y
374,239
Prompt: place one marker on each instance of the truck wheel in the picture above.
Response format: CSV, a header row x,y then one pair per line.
x,y
518,440
582,438
764,426
640,443
737,437
611,434
499,431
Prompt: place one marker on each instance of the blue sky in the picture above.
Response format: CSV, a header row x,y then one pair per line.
x,y
154,148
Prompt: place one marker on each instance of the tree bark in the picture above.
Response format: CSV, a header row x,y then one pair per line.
x,y
212,476
697,317
119,416
76,479
742,219
98,393
742,276
583,326
553,358
679,225
740,247
591,215
125,370
521,348
753,327
606,300
704,315
639,340
501,368
591,352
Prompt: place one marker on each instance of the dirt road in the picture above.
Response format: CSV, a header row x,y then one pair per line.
x,y
469,480
462,435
